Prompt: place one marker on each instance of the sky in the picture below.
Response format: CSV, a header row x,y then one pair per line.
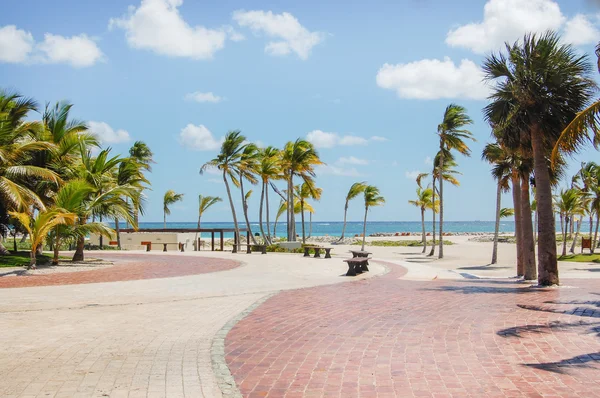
x,y
366,82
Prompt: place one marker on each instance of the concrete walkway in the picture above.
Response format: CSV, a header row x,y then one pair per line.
x,y
141,338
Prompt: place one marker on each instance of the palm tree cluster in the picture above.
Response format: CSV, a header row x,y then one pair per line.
x,y
240,162
452,135
538,87
52,187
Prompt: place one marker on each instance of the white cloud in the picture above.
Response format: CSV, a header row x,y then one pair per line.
x,y
378,138
338,171
107,134
203,97
289,34
429,161
322,139
352,160
580,31
15,44
199,138
78,51
215,180
158,26
19,46
395,163
506,20
412,174
433,79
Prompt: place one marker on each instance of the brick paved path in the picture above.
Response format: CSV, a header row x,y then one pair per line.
x,y
128,267
388,337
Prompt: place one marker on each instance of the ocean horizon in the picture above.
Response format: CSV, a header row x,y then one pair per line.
x,y
334,228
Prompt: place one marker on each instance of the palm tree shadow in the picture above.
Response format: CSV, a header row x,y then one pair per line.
x,y
486,267
483,289
586,361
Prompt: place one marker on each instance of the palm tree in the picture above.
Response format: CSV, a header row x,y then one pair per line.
x,y
298,159
204,203
130,174
452,137
585,180
539,86
170,198
268,170
302,193
247,168
141,154
282,209
372,198
228,161
568,203
423,202
356,189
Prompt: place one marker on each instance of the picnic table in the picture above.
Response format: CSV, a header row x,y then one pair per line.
x,y
357,265
360,253
149,245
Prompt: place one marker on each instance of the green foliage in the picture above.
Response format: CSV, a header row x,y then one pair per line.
x,y
396,243
21,259
581,258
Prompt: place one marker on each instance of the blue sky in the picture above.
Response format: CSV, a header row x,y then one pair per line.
x,y
366,81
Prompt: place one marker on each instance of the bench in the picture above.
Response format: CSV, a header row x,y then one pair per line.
x,y
259,247
317,250
357,265
149,245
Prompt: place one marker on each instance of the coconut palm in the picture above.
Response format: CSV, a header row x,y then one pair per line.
x,y
247,169
141,154
171,197
227,161
299,158
130,174
452,135
568,203
585,180
302,192
539,85
204,203
423,202
282,209
268,169
356,189
372,198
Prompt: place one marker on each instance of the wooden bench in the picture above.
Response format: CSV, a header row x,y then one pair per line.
x,y
317,250
259,247
357,265
149,245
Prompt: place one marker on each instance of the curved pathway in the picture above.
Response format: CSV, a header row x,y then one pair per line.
x,y
128,267
140,338
389,337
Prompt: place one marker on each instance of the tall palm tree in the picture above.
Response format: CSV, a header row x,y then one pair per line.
x,y
282,209
568,203
424,203
171,197
130,174
372,198
298,159
539,85
302,193
141,154
247,169
585,180
204,203
227,161
501,171
268,169
356,189
452,135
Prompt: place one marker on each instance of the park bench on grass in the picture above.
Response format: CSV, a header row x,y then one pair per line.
x,y
149,245
257,247
357,265
317,250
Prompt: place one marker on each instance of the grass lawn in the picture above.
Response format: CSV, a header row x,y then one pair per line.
x,y
21,258
410,243
581,258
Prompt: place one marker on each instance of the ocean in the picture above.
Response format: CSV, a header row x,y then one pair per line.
x,y
334,228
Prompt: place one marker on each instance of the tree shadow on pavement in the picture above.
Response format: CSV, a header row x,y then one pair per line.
x,y
586,361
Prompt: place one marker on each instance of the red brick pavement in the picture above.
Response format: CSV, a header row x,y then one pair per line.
x,y
128,267
388,337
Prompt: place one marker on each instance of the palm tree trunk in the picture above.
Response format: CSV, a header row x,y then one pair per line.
x,y
245,209
591,225
547,261
260,213
516,192
497,226
292,217
441,243
432,252
564,249
423,236
267,205
364,234
529,266
344,226
164,219
309,224
236,244
593,243
302,216
572,250
56,246
78,255
535,226
118,231
101,238
32,254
